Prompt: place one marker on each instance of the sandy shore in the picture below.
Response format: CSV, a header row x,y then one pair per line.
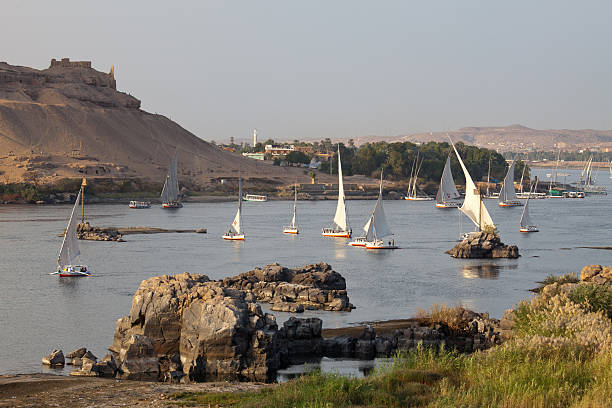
x,y
47,390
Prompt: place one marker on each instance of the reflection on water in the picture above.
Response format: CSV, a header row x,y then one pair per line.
x,y
489,270
349,368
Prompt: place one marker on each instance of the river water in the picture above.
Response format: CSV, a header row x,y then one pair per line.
x,y
39,312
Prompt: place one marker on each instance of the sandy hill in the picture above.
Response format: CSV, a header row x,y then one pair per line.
x,y
511,138
69,120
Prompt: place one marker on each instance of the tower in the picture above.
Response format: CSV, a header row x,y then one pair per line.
x,y
254,137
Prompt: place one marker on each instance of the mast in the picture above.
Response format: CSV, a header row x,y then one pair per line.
x,y
523,175
412,173
83,184
489,175
294,206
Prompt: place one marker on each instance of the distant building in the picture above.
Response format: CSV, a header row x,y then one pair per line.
x,y
256,156
279,150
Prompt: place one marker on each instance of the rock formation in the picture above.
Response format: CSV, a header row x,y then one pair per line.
x,y
483,245
54,359
314,286
87,232
601,275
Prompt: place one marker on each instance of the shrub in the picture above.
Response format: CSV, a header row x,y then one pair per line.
x,y
593,297
440,313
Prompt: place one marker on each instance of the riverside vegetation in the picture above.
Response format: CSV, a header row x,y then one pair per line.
x,y
559,355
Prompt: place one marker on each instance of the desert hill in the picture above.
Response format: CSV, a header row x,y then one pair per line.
x,y
70,121
511,138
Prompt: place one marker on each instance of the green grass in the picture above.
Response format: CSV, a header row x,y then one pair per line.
x,y
567,278
594,297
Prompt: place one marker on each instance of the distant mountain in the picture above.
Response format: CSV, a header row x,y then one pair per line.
x,y
510,138
70,121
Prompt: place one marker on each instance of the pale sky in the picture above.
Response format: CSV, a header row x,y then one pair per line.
x,y
339,69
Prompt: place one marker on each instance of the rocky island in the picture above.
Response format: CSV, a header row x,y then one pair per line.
x,y
483,245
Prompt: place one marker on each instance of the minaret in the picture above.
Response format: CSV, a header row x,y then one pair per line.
x,y
254,137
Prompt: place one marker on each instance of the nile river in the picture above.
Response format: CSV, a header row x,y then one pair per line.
x,y
39,312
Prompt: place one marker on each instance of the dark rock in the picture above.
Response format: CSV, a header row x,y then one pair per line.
x,y
56,358
287,307
483,245
89,355
87,232
80,352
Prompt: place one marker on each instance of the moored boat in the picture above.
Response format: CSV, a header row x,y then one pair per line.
x,y
377,227
139,204
255,197
413,193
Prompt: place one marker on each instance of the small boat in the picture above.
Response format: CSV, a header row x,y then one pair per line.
x,y
448,190
358,241
507,195
473,206
139,204
377,227
292,229
413,194
340,228
170,192
235,232
67,266
526,223
255,197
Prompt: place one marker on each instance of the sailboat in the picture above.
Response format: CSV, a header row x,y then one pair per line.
x,y
488,193
69,251
473,206
526,223
507,195
447,191
235,232
340,228
170,192
589,186
377,227
412,194
292,229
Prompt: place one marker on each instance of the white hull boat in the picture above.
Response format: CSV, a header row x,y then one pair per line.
x,y
340,228
236,232
507,195
292,229
447,192
170,192
377,227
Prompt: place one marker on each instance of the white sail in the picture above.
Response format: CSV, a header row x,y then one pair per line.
x,y
377,226
507,192
473,206
525,219
69,250
448,189
236,225
170,191
294,208
340,217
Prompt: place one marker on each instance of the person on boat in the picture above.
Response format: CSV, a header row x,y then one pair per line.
x,y
83,269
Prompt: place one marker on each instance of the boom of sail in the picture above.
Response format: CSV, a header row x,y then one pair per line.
x,y
473,206
69,251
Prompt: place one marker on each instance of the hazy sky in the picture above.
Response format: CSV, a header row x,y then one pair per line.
x,y
338,69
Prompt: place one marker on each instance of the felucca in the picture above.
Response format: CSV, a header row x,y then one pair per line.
x,y
473,206
448,190
235,232
170,192
377,227
292,229
526,223
507,195
69,251
340,228
412,194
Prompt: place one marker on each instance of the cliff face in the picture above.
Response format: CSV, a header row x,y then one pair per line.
x,y
70,121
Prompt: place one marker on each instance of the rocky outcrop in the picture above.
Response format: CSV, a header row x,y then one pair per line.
x,y
483,245
87,232
54,359
314,286
601,275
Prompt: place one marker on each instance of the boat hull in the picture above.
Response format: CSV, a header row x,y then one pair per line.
x,y
172,205
76,271
139,205
418,198
234,237
511,203
358,242
448,205
380,245
336,234
290,230
530,228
